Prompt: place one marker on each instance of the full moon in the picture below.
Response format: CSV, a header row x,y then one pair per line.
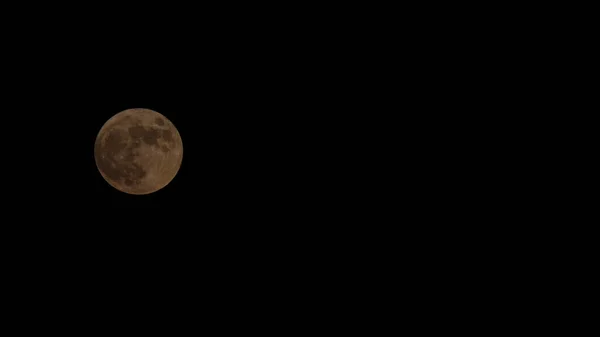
x,y
138,151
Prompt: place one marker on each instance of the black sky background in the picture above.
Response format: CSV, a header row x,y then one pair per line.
x,y
267,216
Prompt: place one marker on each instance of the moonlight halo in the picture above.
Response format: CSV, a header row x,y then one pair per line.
x,y
138,151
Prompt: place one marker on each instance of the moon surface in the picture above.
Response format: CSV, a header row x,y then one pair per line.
x,y
138,151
